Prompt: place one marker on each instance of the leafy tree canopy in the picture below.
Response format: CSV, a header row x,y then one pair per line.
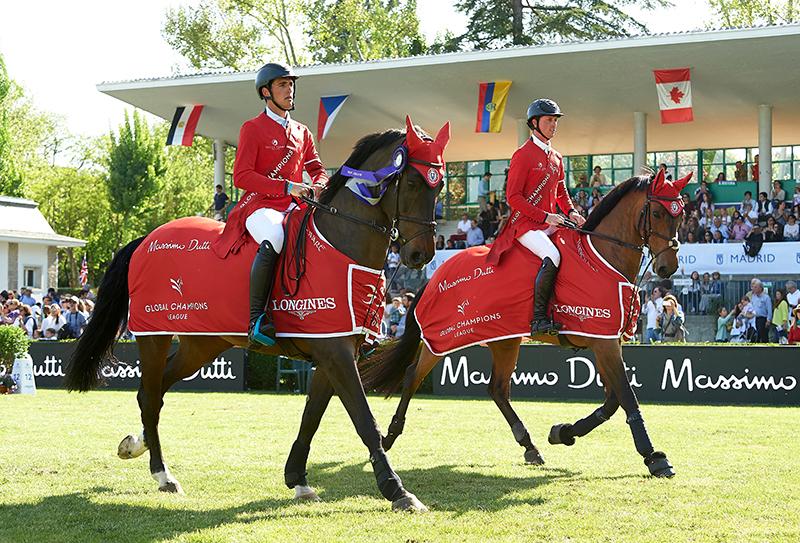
x,y
747,13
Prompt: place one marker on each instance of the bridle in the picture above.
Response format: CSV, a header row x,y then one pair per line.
x,y
372,186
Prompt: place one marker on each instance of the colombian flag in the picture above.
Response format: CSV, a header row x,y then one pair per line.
x,y
491,105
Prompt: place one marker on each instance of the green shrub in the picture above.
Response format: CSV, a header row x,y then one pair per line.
x,y
13,343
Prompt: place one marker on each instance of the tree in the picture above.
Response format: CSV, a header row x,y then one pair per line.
x,y
500,23
747,13
10,182
135,164
358,30
236,34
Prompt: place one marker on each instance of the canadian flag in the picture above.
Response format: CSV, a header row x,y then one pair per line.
x,y
674,95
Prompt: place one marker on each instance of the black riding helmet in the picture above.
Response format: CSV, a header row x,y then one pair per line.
x,y
539,108
269,73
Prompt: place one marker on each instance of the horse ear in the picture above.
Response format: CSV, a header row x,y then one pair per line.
x,y
683,181
412,138
658,181
443,137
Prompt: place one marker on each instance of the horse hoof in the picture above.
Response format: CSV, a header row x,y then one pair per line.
x,y
387,442
559,435
131,447
305,493
533,457
409,503
659,465
172,487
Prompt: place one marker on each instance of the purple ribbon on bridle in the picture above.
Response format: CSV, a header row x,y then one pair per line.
x,y
372,185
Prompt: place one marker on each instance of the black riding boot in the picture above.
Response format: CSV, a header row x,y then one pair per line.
x,y
261,329
545,281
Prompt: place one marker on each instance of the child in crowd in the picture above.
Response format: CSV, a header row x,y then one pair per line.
x,y
723,324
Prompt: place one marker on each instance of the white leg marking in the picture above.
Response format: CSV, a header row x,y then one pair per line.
x,y
305,493
132,446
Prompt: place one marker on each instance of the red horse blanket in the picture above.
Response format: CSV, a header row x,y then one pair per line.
x,y
468,302
178,285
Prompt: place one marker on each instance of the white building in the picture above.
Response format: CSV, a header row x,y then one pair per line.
x,y
29,246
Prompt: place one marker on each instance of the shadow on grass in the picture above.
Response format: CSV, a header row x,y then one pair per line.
x,y
81,517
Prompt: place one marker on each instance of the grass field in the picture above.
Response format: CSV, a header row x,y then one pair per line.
x,y
738,474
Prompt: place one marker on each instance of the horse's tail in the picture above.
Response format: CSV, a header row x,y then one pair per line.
x,y
384,370
96,344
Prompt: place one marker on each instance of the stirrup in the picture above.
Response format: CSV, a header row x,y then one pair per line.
x,y
257,337
545,326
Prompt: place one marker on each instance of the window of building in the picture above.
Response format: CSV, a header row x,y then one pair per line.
x,y
32,277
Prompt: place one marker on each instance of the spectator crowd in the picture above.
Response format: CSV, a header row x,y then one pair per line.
x,y
55,316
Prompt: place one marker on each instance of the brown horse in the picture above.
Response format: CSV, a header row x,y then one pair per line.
x,y
403,211
625,222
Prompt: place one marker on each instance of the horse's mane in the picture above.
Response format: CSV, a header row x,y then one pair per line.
x,y
362,150
612,199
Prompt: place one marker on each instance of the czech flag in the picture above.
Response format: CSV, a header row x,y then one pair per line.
x,y
184,123
491,105
329,107
674,95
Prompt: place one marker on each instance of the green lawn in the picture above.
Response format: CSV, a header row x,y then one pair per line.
x,y
738,474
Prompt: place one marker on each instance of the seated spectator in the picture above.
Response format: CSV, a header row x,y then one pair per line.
x,y
598,179
777,194
773,231
781,213
582,182
700,191
671,322
707,219
717,226
739,230
582,199
663,168
796,197
474,235
724,325
688,205
748,199
716,237
690,238
440,242
26,298
708,237
54,319
49,335
791,232
720,177
740,172
706,203
449,244
763,208
749,213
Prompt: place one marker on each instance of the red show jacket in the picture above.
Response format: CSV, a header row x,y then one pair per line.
x,y
535,186
268,157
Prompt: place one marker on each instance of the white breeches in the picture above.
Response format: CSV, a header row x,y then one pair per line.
x,y
267,224
538,242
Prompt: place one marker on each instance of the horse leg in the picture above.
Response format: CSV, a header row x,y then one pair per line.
x,y
337,359
294,473
504,360
565,434
153,355
612,372
415,374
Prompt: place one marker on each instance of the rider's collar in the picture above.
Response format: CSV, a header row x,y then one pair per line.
x,y
283,121
546,147
668,193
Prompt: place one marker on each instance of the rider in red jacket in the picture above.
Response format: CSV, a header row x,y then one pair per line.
x,y
535,187
273,152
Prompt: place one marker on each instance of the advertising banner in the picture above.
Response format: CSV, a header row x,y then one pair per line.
x,y
50,359
696,375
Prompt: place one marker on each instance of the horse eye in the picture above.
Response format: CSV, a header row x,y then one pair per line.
x,y
657,214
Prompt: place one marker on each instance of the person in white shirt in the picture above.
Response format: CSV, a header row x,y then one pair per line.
x,y
791,231
55,320
792,294
464,224
653,308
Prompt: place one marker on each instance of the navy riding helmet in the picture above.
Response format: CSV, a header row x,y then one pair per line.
x,y
270,72
543,106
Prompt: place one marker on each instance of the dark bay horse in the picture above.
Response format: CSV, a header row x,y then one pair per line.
x,y
403,212
627,220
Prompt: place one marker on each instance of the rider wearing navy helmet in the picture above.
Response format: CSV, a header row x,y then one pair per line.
x,y
273,152
535,189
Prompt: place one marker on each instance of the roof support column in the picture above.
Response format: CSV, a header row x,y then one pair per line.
x,y
764,148
522,132
219,163
639,141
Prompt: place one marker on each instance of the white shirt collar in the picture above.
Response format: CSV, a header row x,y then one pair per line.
x,y
546,147
283,121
